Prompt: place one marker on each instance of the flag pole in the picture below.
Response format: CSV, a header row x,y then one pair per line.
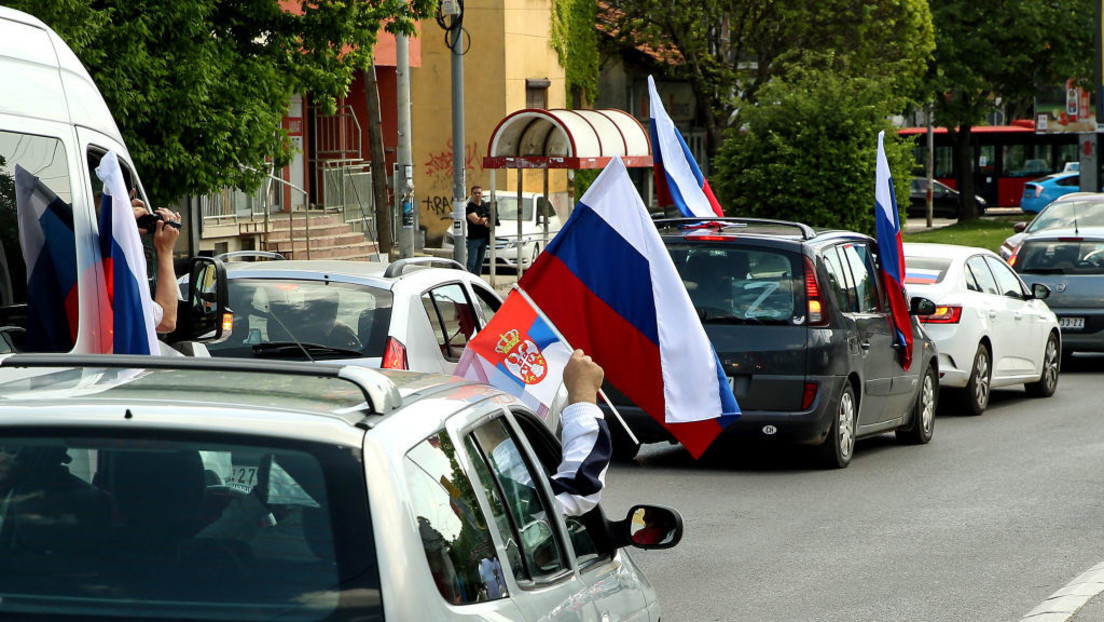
x,y
560,336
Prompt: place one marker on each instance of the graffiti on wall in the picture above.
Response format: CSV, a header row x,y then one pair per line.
x,y
440,162
439,206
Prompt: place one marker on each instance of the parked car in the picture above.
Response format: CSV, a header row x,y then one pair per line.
x,y
1037,193
944,199
414,314
534,214
991,330
234,490
1071,167
1086,208
801,326
1071,263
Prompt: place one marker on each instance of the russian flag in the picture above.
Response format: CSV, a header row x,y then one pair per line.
x,y
130,315
679,181
891,253
49,252
608,284
517,352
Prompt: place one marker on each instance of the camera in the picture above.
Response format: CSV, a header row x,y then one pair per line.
x,y
149,222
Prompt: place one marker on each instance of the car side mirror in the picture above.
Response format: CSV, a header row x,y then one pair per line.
x,y
204,315
921,306
1019,227
649,527
1040,291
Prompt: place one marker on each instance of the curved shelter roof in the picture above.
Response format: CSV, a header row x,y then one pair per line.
x,y
567,139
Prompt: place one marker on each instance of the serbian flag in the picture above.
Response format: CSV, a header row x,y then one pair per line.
x,y
888,225
517,352
608,284
130,315
679,181
49,252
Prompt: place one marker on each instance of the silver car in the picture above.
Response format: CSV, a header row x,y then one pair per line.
x,y
1071,263
1084,208
167,488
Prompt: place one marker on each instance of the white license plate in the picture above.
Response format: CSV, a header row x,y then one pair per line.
x,y
1071,323
245,476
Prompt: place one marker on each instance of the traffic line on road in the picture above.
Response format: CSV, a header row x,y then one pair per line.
x,y
1063,604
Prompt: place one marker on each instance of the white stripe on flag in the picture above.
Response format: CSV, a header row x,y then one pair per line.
x,y
675,164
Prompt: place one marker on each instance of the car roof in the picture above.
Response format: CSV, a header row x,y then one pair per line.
x,y
1054,177
274,390
759,229
1095,233
380,274
946,251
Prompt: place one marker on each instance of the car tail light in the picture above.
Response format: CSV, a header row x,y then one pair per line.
x,y
1014,255
809,396
944,314
1036,189
394,355
816,312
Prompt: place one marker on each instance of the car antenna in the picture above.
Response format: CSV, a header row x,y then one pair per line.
x,y
1076,232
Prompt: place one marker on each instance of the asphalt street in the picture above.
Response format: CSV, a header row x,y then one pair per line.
x,y
996,515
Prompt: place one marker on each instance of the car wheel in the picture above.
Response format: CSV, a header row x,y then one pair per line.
x,y
976,396
922,425
1048,381
838,448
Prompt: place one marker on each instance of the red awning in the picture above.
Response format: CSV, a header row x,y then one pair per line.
x,y
567,139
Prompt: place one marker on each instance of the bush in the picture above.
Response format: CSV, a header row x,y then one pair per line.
x,y
807,151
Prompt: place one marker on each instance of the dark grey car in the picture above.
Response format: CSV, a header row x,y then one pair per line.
x,y
801,325
1071,263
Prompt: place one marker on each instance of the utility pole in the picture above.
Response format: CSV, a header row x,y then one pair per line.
x,y
454,10
404,166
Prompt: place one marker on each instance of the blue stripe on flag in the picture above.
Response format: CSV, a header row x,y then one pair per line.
x,y
593,252
541,334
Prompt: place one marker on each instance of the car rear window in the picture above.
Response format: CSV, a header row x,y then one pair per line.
x,y
740,283
352,320
925,270
1077,256
1068,214
135,528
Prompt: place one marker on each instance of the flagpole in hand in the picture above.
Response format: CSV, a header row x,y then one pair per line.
x,y
560,336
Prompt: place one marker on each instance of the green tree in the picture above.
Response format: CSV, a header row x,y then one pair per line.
x,y
198,87
990,49
728,49
807,151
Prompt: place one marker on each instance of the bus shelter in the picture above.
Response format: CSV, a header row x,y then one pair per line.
x,y
560,139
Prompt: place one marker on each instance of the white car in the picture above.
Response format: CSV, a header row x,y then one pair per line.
x,y
415,314
245,490
533,238
991,330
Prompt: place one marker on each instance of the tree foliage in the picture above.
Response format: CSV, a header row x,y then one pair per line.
x,y
990,50
576,44
198,87
807,151
729,49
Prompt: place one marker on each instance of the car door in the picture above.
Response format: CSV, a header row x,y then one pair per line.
x,y
539,561
997,315
454,320
875,339
1028,322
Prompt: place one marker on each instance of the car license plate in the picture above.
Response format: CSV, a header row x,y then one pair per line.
x,y
1071,323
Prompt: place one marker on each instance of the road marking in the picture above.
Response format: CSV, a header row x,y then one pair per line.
x,y
1063,604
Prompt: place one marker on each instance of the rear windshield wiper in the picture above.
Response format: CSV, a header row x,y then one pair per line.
x,y
725,318
278,349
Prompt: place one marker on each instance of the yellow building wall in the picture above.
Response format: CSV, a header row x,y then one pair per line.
x,y
507,41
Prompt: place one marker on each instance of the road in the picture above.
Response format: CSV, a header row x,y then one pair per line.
x,y
995,515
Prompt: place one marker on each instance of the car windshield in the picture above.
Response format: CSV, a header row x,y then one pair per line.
x,y
1077,256
739,284
1066,214
925,270
282,318
121,527
507,207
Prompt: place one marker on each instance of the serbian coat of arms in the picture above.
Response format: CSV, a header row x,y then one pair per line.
x,y
523,359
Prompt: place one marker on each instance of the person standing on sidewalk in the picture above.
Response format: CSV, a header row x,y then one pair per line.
x,y
479,231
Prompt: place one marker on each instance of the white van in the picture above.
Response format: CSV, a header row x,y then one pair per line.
x,y
55,125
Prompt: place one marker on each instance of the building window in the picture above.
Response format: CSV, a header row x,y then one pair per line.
x,y
536,93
